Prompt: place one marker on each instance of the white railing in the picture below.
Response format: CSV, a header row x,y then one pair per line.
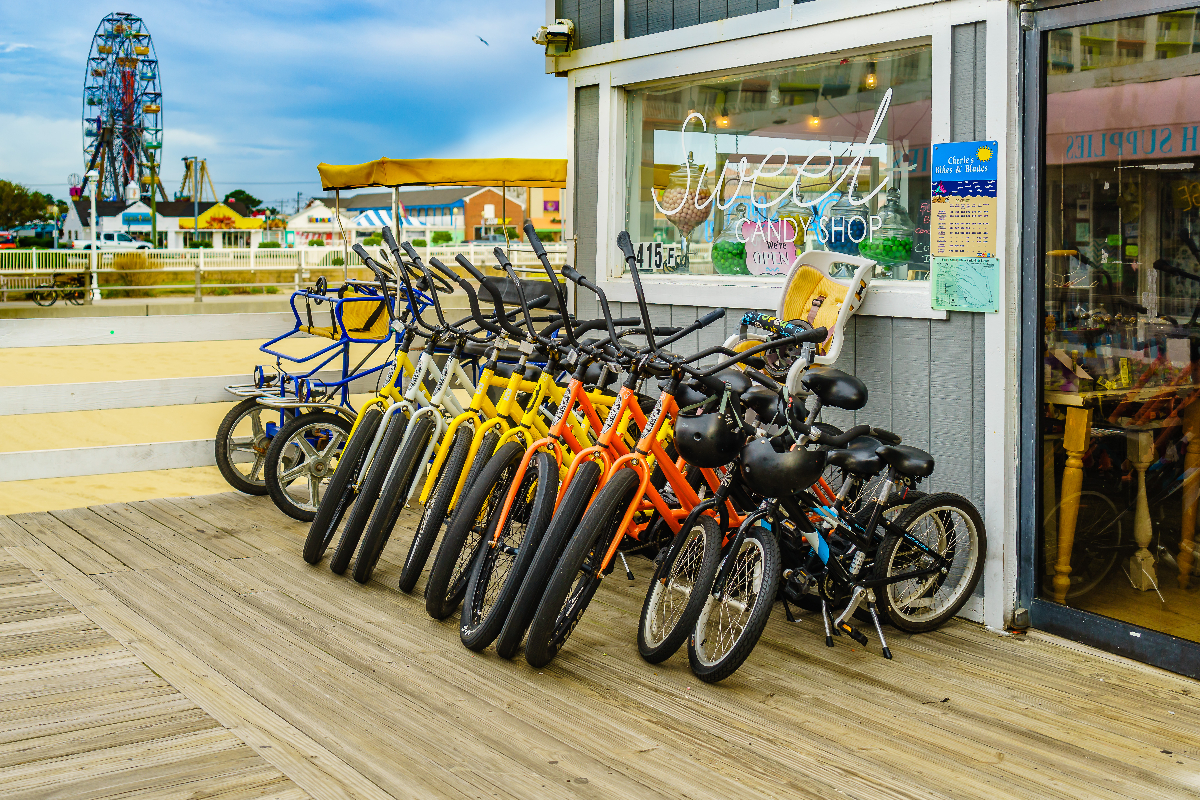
x,y
207,270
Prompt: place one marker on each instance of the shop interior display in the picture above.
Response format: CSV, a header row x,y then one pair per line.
x,y
891,244
729,248
687,202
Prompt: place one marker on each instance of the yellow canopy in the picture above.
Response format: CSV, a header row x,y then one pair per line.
x,y
543,172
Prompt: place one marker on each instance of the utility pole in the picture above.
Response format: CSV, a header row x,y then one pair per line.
x,y
93,294
153,200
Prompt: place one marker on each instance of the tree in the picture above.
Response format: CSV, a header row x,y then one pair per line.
x,y
442,237
245,198
19,206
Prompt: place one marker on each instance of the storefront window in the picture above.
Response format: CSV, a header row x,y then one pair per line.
x,y
737,174
1121,321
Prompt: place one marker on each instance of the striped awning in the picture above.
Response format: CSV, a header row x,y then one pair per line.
x,y
383,219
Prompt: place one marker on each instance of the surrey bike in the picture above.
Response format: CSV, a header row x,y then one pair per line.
x,y
359,313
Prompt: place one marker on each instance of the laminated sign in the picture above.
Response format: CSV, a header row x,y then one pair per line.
x,y
964,270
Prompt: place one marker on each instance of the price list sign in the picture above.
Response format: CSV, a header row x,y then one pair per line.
x,y
962,236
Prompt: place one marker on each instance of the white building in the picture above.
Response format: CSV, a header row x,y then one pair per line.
x,y
228,224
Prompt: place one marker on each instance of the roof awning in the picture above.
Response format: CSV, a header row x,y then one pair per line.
x,y
383,219
535,172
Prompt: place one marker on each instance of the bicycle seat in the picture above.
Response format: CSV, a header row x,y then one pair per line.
x,y
907,460
764,402
591,376
835,388
859,458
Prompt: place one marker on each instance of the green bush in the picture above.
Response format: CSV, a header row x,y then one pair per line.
x,y
222,291
442,237
373,240
316,242
198,245
337,261
419,243
272,289
269,244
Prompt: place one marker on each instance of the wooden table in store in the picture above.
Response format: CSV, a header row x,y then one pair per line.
x,y
1076,439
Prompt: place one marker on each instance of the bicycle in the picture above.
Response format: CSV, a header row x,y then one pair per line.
x,y
72,287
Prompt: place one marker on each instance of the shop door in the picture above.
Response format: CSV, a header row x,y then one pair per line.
x,y
1111,395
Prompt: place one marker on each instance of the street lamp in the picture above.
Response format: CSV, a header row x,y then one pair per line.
x,y
93,178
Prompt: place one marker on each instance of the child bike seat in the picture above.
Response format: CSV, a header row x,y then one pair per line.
x,y
835,388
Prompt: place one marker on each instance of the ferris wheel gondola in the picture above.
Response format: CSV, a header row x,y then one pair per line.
x,y
122,107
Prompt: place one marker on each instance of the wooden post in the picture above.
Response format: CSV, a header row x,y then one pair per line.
x,y
1075,439
1190,493
1050,506
1141,563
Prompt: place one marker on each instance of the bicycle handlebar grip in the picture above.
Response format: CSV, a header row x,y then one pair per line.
x,y
626,245
436,263
462,261
534,241
763,378
845,438
572,274
711,317
361,252
408,248
502,257
388,238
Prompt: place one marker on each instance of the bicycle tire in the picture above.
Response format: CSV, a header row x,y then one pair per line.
x,y
690,573
391,498
717,664
277,453
76,298
964,572
434,513
563,523
368,493
469,527
43,298
487,449
575,580
339,494
224,453
497,572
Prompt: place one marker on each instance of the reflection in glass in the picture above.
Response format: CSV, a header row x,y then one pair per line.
x,y
819,115
1121,321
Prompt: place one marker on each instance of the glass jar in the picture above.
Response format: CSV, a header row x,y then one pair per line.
x,y
728,249
686,202
891,245
845,225
799,219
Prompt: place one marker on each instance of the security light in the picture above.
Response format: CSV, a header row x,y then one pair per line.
x,y
556,38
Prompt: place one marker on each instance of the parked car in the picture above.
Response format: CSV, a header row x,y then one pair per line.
x,y
8,240
112,241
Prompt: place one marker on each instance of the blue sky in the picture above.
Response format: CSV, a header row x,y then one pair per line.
x,y
265,91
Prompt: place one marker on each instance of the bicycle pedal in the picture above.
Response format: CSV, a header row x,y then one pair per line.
x,y
853,633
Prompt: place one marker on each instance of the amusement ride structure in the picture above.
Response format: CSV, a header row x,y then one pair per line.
x,y
122,109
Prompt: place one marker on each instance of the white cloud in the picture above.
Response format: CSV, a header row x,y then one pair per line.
x,y
536,136
12,47
37,149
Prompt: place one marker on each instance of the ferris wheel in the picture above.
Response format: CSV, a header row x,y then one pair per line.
x,y
122,108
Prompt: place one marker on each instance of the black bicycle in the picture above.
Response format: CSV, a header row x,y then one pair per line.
x,y
71,285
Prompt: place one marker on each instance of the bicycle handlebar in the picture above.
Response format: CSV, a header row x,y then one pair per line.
x,y
540,252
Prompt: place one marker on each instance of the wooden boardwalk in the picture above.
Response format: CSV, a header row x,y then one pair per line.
x,y
181,648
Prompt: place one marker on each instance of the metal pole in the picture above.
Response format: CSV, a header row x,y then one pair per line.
x,y
199,278
94,294
396,211
153,202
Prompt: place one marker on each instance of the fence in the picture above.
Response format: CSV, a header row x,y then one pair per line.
x,y
201,270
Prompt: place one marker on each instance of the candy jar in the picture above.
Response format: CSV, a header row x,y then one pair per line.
x,y
687,202
799,221
728,250
892,244
845,225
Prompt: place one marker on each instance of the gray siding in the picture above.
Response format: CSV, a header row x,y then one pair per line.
x,y
593,20
587,156
967,81
644,17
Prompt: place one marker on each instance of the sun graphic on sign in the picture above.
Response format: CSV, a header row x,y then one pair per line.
x,y
984,154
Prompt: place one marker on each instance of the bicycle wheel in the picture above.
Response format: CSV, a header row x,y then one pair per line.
x,y
44,295
730,626
1099,537
368,493
577,574
340,492
678,591
471,524
558,533
302,459
76,298
501,564
949,525
392,496
241,447
434,513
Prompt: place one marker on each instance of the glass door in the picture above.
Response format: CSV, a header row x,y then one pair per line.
x,y
1116,356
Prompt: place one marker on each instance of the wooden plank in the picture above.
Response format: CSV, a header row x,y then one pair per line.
x,y
106,460
78,550
162,537
302,759
212,538
116,541
103,395
73,331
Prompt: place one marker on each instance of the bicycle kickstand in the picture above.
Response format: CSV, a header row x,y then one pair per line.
x,y
887,653
829,630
